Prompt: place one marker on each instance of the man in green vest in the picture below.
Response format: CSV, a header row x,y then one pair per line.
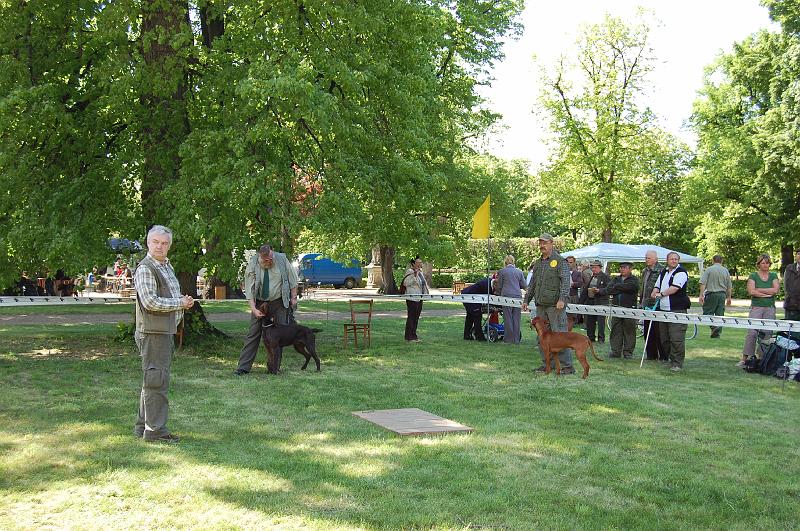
x,y
269,277
549,289
159,309
716,290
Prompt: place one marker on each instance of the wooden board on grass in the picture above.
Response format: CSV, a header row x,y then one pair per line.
x,y
412,421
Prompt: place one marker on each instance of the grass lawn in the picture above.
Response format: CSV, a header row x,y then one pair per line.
x,y
711,447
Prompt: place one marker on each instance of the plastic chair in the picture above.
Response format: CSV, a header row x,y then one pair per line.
x,y
359,308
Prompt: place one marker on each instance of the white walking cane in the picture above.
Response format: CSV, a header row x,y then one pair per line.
x,y
647,337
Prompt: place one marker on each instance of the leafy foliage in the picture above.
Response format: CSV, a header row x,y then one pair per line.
x,y
748,171
611,163
239,123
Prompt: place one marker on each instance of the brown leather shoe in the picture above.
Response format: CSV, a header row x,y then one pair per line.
x,y
168,438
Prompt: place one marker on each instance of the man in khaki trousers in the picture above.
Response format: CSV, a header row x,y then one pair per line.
x,y
159,309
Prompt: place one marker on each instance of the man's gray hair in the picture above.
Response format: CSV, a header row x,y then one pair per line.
x,y
653,252
159,229
584,262
265,249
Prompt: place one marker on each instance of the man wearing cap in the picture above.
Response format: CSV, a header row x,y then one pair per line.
x,y
595,295
716,289
549,289
269,278
623,290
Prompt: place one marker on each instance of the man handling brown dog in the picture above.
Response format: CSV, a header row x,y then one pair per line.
x,y
549,289
269,278
159,309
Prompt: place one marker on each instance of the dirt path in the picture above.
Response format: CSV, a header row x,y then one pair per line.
x,y
113,318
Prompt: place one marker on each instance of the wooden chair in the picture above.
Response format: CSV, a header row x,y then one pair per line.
x,y
360,321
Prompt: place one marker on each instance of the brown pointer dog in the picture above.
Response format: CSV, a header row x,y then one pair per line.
x,y
276,337
552,343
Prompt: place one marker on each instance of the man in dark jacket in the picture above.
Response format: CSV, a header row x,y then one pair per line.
x,y
623,290
791,287
472,323
594,294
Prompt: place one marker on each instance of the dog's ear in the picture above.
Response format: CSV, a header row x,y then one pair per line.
x,y
263,308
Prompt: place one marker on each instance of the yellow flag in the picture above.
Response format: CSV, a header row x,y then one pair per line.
x,y
480,221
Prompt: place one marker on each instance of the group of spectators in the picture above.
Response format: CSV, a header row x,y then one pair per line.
x,y
554,281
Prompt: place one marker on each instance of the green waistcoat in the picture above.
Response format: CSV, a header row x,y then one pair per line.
x,y
148,322
547,280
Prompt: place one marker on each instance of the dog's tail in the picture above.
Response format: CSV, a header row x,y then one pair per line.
x,y
591,346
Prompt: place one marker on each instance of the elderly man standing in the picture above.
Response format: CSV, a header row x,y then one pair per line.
x,y
269,277
159,309
549,289
511,283
716,289
623,290
671,293
653,347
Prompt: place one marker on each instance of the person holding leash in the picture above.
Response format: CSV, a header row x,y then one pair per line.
x,y
269,277
549,289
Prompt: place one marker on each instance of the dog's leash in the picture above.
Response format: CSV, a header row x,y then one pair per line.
x,y
649,329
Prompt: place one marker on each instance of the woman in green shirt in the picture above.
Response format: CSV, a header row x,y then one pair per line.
x,y
762,287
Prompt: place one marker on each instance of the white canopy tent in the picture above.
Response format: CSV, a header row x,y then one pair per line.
x,y
620,252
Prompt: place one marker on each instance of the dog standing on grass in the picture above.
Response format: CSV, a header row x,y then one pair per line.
x,y
552,343
276,337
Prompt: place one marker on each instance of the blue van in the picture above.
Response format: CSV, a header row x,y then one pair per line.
x,y
315,269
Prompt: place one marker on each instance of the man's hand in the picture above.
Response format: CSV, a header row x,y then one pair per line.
x,y
702,299
560,305
524,307
187,301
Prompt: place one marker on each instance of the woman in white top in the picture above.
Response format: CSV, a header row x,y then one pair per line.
x,y
415,284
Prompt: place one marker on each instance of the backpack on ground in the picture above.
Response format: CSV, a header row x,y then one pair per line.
x,y
774,357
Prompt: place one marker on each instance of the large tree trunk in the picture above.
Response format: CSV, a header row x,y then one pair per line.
x,y
607,235
388,285
166,119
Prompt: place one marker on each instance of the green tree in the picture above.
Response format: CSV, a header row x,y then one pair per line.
x,y
609,153
235,124
748,171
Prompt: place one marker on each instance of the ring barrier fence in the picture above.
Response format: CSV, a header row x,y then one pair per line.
x,y
777,325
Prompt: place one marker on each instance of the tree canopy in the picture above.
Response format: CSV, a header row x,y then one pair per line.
x,y
610,160
236,123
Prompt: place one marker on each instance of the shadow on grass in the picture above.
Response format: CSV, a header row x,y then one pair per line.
x,y
623,449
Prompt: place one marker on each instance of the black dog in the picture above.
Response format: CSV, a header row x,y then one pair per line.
x,y
276,337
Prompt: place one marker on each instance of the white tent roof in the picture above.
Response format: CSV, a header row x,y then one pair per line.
x,y
619,252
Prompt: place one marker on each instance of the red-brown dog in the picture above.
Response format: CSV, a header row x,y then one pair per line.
x,y
552,343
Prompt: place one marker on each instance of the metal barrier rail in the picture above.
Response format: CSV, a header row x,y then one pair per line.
x,y
632,313
45,301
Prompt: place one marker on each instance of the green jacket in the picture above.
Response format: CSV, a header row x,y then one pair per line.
x,y
550,281
253,276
